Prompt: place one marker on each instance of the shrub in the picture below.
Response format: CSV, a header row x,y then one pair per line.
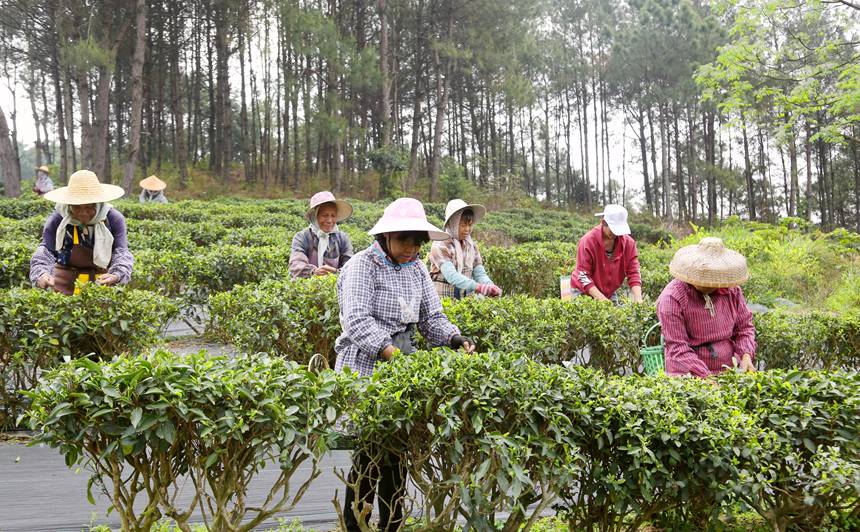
x,y
555,331
292,319
478,433
143,425
38,329
15,263
653,449
813,340
808,474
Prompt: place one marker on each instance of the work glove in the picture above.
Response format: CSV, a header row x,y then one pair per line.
x,y
458,341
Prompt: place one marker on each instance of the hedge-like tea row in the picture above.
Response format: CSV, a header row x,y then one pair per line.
x,y
38,329
492,432
289,319
147,423
479,434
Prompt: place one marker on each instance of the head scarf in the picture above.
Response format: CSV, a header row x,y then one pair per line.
x,y
103,238
464,252
325,242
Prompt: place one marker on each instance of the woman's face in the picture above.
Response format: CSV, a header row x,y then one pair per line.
x,y
465,228
327,217
83,213
402,248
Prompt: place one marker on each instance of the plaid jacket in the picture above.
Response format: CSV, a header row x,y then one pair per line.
x,y
378,300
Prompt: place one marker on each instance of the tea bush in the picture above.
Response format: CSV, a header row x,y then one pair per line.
x,y
292,319
807,477
143,425
38,329
483,433
479,434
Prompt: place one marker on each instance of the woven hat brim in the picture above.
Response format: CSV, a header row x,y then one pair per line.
x,y
479,210
344,210
730,271
153,185
397,226
64,195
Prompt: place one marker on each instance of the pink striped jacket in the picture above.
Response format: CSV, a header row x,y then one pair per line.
x,y
700,344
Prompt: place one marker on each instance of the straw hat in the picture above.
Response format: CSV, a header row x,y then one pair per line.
x,y
407,214
84,188
43,168
709,264
344,209
153,183
456,205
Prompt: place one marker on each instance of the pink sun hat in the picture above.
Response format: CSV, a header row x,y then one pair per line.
x,y
407,214
344,209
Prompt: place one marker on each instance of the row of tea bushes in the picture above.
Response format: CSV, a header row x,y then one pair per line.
x,y
148,423
479,434
39,329
296,318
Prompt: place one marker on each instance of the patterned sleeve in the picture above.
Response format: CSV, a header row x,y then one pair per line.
x,y
41,262
346,251
121,261
43,259
355,295
679,355
300,265
432,322
743,335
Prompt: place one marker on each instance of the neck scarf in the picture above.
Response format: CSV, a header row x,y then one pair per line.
x,y
103,238
464,252
325,241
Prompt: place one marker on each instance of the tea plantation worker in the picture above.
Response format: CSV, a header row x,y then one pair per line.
x,y
42,182
84,240
455,264
605,256
385,293
306,257
703,314
152,190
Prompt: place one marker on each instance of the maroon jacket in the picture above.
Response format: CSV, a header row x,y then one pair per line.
x,y
593,266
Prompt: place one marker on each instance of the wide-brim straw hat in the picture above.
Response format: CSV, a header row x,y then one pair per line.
x,y
344,209
84,188
457,205
709,264
43,168
153,183
407,214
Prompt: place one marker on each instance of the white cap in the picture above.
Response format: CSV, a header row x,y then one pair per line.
x,y
616,219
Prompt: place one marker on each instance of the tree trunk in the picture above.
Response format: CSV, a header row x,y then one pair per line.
x,y
383,70
443,87
748,173
8,161
136,96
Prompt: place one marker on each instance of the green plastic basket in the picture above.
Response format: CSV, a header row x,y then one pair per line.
x,y
652,356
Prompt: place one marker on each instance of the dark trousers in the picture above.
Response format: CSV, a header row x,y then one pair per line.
x,y
387,476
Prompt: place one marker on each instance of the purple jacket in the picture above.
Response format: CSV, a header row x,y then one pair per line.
x,y
121,262
304,252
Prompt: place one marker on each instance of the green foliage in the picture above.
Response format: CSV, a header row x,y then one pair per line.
x,y
554,331
808,473
810,340
480,434
141,424
38,329
292,319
